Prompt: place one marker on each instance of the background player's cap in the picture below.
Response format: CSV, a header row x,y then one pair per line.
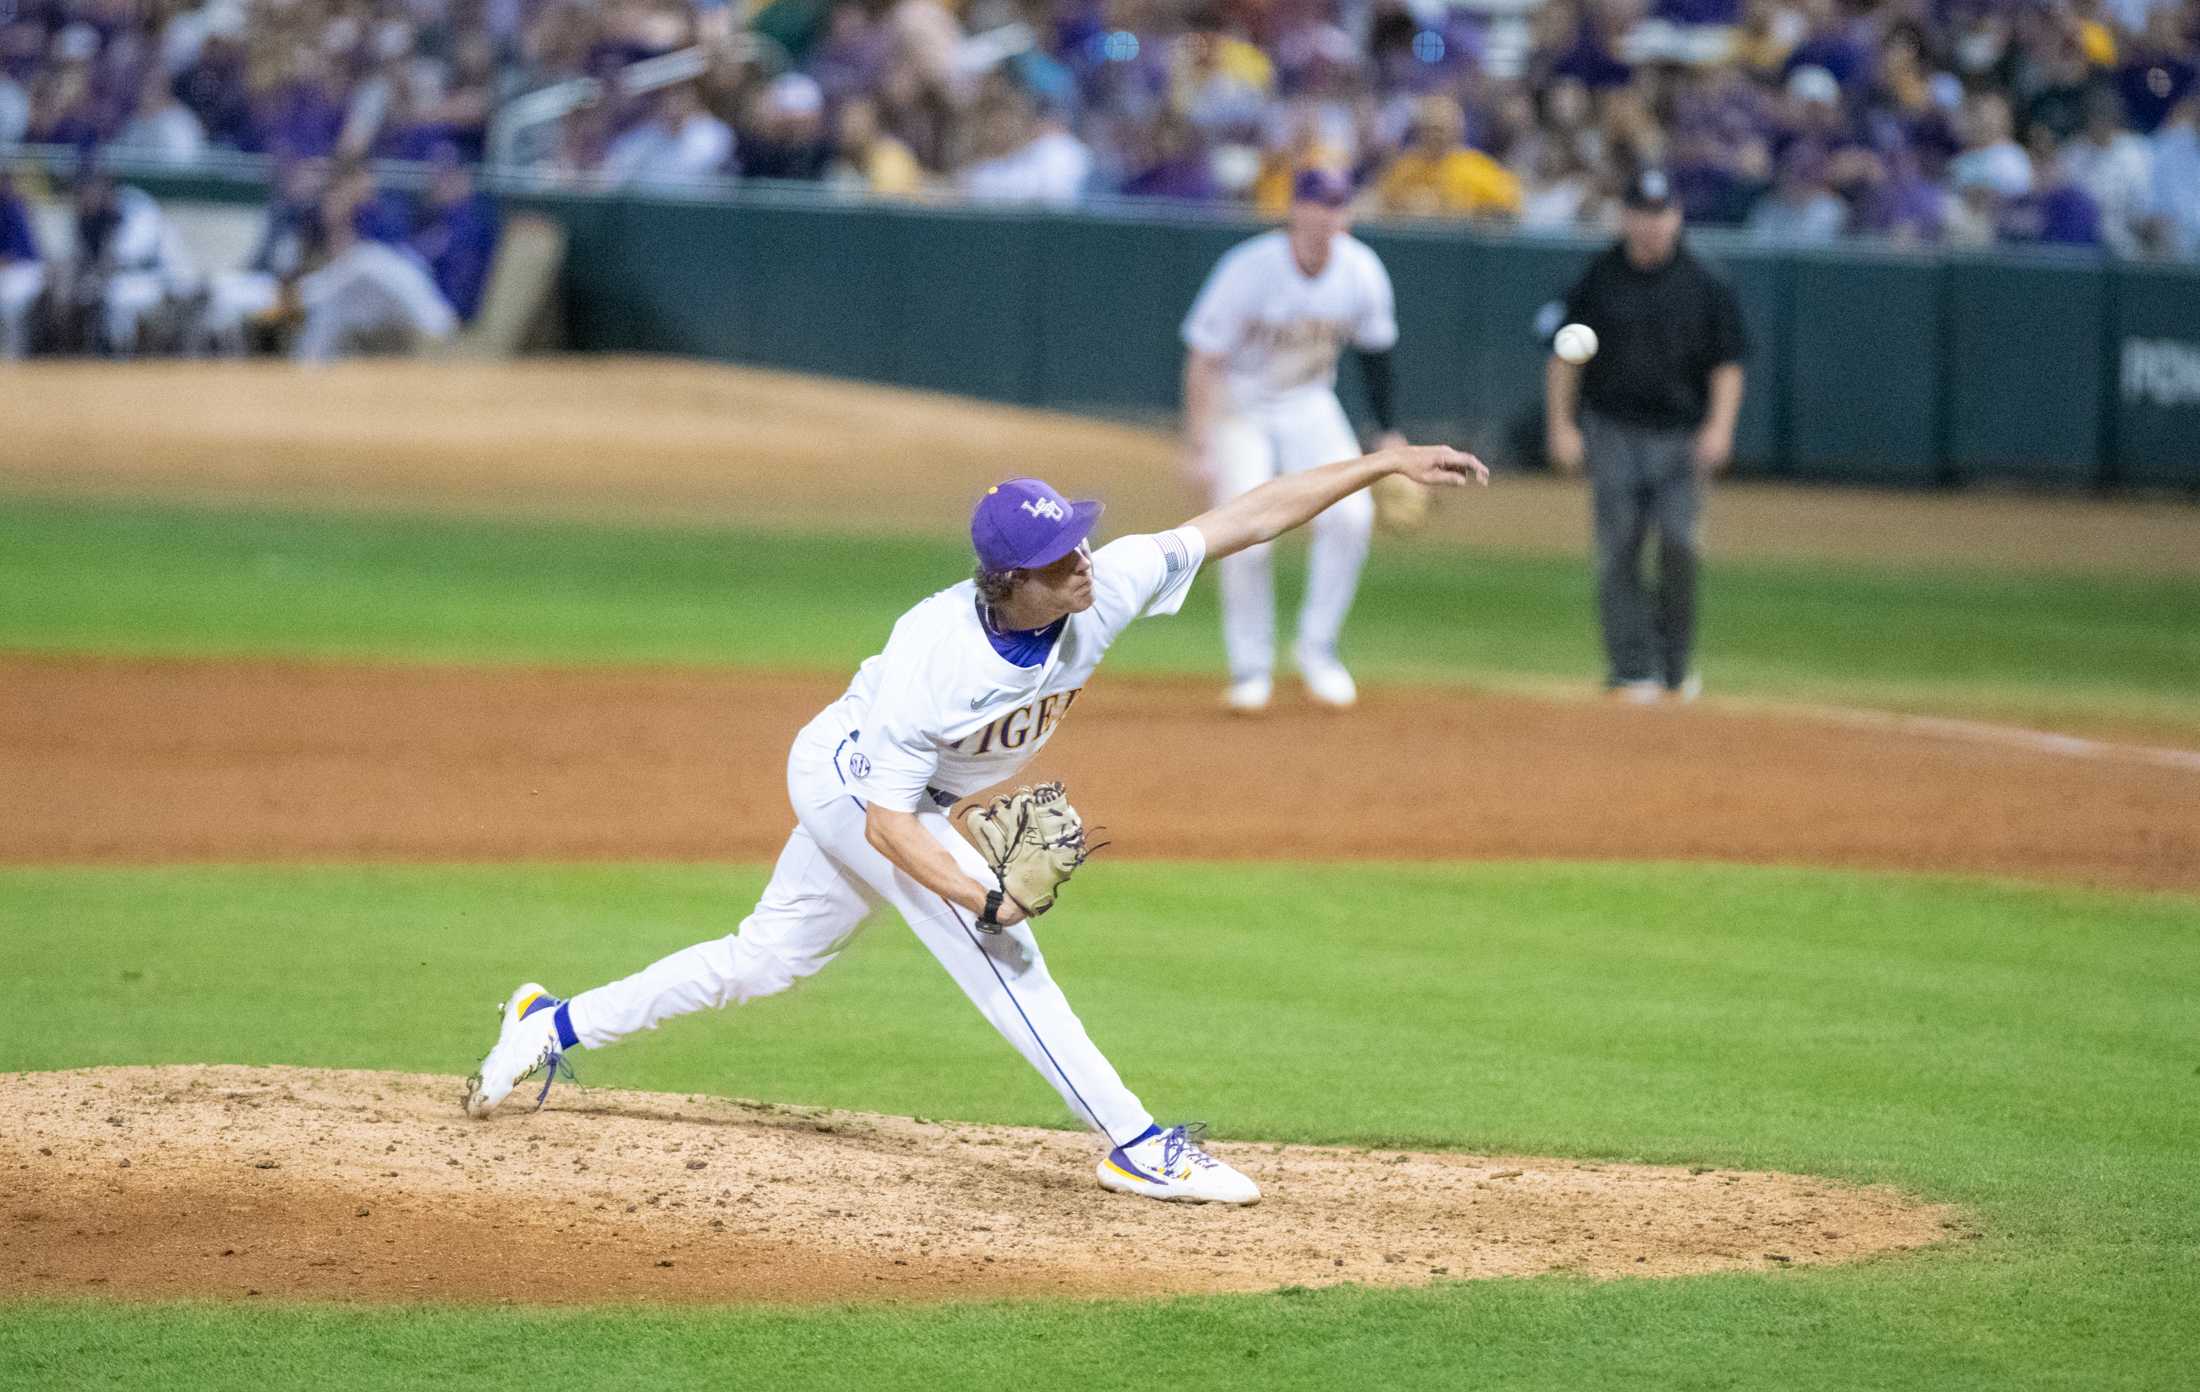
x,y
1022,523
1324,186
1650,190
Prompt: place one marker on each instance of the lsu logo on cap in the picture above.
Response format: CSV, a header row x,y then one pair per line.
x,y
1044,507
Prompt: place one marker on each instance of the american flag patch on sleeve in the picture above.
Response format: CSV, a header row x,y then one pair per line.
x,y
1174,556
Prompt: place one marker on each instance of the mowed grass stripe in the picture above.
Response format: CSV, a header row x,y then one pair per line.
x,y
171,580
2024,1052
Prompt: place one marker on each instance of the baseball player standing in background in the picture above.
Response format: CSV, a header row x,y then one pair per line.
x,y
973,681
1260,400
1657,409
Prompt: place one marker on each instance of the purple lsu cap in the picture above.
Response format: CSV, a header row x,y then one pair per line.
x,y
1022,524
1324,186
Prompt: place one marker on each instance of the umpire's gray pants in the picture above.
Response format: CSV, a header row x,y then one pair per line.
x,y
1640,478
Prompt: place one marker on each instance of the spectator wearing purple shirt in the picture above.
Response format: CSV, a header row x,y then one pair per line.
x,y
214,87
303,117
1837,44
853,58
22,46
1593,55
423,121
2056,212
2158,71
1174,164
1720,12
1905,206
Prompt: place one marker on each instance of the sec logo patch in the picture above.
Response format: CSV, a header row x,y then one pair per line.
x,y
858,766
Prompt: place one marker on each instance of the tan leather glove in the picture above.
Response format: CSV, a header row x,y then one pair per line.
x,y
1401,505
1034,840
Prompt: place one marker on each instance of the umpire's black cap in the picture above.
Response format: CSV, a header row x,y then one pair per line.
x,y
1650,190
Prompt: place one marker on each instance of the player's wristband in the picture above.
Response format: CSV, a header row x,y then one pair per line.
x,y
990,920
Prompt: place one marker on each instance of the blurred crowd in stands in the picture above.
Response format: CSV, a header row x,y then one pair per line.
x,y
1947,122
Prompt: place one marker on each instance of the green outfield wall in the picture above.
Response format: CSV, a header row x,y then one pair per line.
x,y
1868,365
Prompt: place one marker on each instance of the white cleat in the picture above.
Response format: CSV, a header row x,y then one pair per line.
x,y
1689,688
1170,1165
526,1043
1248,697
1327,682
1637,693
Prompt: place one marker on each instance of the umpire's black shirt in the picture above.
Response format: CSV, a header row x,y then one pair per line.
x,y
1659,334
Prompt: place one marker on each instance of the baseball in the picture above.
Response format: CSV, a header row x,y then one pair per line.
x,y
1576,343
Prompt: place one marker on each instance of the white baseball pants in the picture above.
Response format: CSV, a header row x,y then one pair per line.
x,y
827,882
1248,448
129,299
232,298
369,288
21,283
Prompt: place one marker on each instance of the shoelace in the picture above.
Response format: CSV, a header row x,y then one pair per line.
x,y
1181,1142
551,1062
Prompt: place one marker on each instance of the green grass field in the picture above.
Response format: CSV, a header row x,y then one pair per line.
x,y
87,578
2029,1059
2026,1053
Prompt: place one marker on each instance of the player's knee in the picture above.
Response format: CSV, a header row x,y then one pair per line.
x,y
1616,563
760,971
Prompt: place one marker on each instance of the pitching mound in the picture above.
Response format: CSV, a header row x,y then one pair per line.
x,y
289,1182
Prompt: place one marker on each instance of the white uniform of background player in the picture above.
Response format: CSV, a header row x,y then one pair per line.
x,y
1261,400
972,683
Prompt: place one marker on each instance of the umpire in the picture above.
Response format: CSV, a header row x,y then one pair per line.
x,y
1656,412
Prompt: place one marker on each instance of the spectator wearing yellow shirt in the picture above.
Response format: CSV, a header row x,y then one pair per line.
x,y
1439,175
1303,149
1216,77
871,160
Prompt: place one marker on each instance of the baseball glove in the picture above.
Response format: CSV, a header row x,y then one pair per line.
x,y
1401,505
1034,840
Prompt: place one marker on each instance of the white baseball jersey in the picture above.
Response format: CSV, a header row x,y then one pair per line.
x,y
1277,331
939,709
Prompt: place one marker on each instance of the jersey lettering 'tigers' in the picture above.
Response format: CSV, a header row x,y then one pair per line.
x,y
940,709
1023,723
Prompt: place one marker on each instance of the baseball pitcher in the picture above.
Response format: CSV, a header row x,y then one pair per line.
x,y
973,682
1260,399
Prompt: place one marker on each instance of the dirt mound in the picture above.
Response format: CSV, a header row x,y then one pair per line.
x,y
105,761
289,1182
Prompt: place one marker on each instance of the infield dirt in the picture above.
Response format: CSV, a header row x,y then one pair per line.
x,y
289,1182
133,761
